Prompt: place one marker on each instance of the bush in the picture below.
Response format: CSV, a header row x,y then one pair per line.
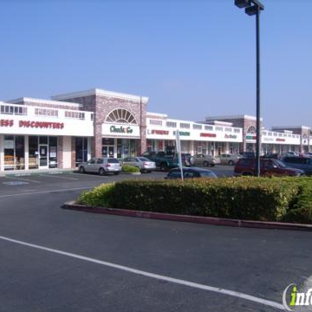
x,y
99,196
130,169
246,198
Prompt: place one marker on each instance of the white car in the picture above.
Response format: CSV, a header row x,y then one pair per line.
x,y
101,166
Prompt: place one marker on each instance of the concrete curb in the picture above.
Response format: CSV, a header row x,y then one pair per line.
x,y
184,218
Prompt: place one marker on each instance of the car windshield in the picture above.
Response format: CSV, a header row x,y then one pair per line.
x,y
143,159
208,174
279,163
112,161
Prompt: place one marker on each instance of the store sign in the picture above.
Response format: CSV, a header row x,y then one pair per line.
x,y
251,137
41,124
280,140
208,135
182,133
120,130
230,136
267,139
160,132
6,122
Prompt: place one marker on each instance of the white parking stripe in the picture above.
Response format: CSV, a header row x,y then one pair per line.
x,y
22,179
45,192
152,275
58,177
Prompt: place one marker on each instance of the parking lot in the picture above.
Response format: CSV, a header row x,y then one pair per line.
x,y
58,260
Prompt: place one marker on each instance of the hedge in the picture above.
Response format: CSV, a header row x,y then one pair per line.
x,y
246,198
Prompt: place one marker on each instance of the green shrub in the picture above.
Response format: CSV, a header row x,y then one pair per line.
x,y
130,169
300,210
246,198
99,196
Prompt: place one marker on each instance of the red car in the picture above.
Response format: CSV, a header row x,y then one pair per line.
x,y
268,167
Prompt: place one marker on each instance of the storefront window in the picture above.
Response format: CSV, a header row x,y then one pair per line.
x,y
33,152
108,147
81,150
52,152
14,150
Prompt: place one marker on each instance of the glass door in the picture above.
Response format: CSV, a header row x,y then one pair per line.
x,y
43,156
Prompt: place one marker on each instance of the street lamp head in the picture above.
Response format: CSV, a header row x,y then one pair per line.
x,y
252,10
242,3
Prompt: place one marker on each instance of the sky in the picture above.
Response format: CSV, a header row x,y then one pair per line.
x,y
191,58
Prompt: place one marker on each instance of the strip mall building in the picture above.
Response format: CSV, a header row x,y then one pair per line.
x,y
71,128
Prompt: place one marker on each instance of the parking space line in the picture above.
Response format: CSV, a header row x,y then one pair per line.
x,y
22,179
58,177
152,275
46,192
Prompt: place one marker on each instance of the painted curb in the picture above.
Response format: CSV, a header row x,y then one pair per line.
x,y
185,218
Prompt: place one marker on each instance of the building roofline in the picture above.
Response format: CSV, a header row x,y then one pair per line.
x,y
100,92
231,117
290,127
41,101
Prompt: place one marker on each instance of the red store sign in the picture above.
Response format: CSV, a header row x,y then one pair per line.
x,y
41,124
209,135
161,132
6,122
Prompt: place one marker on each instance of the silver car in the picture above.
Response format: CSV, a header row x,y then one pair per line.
x,y
143,163
206,160
101,166
229,159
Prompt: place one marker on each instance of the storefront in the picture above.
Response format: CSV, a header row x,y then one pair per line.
x,y
33,137
72,128
195,138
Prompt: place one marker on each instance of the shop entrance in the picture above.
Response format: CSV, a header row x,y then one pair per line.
x,y
43,156
108,151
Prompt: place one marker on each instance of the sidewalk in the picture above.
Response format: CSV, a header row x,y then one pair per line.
x,y
19,173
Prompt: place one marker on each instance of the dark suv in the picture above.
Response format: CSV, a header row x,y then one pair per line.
x,y
268,167
303,163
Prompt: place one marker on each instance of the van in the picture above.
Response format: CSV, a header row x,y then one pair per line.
x,y
268,167
303,163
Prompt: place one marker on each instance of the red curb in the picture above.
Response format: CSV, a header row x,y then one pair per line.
x,y
186,218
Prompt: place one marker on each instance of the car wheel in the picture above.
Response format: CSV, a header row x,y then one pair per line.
x,y
101,171
116,173
81,169
231,163
205,163
163,167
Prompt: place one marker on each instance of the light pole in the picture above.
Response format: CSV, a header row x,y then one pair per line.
x,y
253,7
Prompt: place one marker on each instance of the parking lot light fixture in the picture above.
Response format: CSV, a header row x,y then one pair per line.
x,y
253,7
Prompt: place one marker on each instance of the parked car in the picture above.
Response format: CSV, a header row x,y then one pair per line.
x,y
289,153
229,159
268,167
303,163
205,160
101,166
167,160
271,155
190,173
143,163
248,154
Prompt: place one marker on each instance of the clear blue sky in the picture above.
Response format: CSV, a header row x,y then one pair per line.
x,y
192,58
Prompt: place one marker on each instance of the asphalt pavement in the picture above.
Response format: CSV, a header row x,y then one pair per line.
x,y
53,259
